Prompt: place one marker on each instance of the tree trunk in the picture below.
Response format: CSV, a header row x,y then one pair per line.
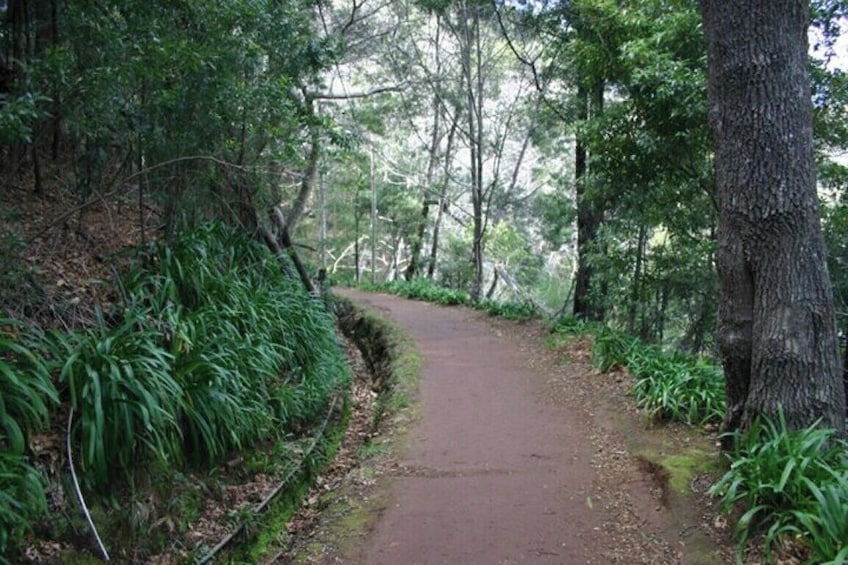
x,y
588,214
310,173
636,283
434,247
472,69
432,162
426,197
776,327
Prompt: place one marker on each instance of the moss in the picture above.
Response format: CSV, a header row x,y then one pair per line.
x,y
677,470
684,467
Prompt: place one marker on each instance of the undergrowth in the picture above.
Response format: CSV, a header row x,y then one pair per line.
x,y
28,395
428,291
668,385
211,350
791,485
422,289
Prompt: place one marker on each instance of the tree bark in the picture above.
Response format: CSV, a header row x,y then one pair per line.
x,y
434,247
776,327
588,215
426,197
310,173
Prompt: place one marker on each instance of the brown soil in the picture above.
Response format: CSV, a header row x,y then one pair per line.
x,y
520,453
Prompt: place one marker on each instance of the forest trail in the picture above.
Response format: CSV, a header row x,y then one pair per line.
x,y
512,459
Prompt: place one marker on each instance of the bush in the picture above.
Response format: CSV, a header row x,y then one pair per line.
x,y
232,352
27,394
124,395
571,325
611,349
257,356
21,499
789,482
510,310
674,386
423,289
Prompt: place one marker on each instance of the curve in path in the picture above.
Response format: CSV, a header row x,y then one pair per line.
x,y
492,474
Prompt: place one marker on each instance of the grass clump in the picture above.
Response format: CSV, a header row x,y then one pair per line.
x,y
670,386
233,351
423,289
428,291
677,387
611,349
510,310
789,483
212,349
27,396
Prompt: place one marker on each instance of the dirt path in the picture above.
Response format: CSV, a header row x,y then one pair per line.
x,y
513,459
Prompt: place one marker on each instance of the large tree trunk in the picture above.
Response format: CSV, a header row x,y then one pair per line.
x,y
776,328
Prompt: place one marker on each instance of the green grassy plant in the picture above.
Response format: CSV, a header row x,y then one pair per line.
x,y
27,394
424,289
789,482
571,325
611,349
215,348
675,386
21,499
120,384
27,390
510,310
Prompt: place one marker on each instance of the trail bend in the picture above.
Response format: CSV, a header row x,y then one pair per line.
x,y
506,461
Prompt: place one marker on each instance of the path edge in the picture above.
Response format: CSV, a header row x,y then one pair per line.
x,y
350,513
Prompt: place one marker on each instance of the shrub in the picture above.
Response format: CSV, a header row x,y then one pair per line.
x,y
27,394
510,310
253,353
789,482
121,387
424,289
21,499
674,386
571,325
611,349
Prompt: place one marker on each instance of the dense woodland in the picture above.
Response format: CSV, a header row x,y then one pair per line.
x,y
558,153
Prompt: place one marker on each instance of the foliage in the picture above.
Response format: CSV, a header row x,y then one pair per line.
x,y
510,310
511,247
789,482
669,386
677,387
124,396
215,349
27,395
611,349
25,381
571,325
424,289
21,498
18,115
203,96
427,290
